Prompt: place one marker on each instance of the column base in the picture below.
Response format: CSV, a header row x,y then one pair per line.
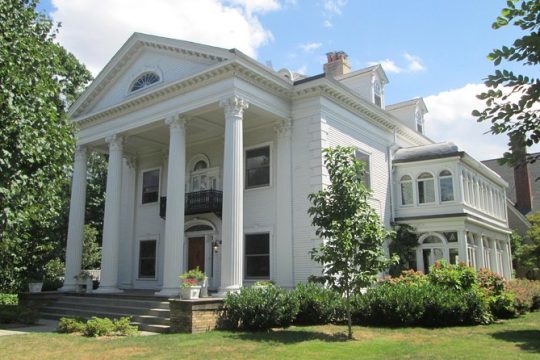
x,y
108,290
168,292
223,291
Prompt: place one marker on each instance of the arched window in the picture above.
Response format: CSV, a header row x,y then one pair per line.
x,y
200,165
426,188
377,93
145,80
406,186
446,186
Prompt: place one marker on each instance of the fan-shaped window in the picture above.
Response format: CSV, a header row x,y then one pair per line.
x,y
406,185
144,80
432,240
426,188
446,186
200,165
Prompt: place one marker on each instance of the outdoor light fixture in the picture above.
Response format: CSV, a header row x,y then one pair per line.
x,y
215,245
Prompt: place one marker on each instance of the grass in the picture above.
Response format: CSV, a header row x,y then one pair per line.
x,y
511,339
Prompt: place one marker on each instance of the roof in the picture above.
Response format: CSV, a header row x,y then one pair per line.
x,y
427,152
412,102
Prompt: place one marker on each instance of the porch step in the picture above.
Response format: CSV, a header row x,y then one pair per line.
x,y
148,313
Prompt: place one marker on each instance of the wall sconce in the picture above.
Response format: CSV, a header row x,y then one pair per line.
x,y
215,245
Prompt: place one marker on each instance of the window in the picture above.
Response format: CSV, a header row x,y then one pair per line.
x,y
200,165
377,94
446,186
144,80
406,186
258,167
426,188
147,259
366,178
419,122
257,261
150,186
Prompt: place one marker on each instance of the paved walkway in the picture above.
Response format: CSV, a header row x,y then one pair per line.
x,y
43,325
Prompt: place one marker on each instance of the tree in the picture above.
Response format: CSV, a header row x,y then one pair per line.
x,y
529,252
403,245
351,253
512,101
91,254
38,80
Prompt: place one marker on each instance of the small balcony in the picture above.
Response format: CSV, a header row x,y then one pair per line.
x,y
198,202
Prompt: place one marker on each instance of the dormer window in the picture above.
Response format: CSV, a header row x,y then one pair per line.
x,y
419,122
377,93
145,80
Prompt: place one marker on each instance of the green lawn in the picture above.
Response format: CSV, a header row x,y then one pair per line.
x,y
512,339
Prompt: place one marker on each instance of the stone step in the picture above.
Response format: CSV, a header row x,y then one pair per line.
x,y
112,308
91,301
56,314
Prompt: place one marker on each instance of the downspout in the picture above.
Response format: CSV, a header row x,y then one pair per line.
x,y
390,153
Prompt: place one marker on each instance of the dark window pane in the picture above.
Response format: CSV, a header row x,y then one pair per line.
x,y
258,266
147,259
257,244
258,167
148,249
150,188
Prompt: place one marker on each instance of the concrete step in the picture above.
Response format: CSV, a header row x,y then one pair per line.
x,y
56,314
113,308
158,304
117,312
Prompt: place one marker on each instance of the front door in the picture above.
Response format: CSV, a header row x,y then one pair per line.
x,y
196,253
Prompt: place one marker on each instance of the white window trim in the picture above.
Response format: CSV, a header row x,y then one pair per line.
x,y
154,237
451,176
135,76
271,250
435,189
141,177
270,144
413,184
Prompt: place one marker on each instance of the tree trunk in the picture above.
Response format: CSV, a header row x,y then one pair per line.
x,y
349,320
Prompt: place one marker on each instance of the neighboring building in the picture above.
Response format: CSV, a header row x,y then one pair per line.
x,y
212,156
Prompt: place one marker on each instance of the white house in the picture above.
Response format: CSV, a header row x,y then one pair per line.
x,y
212,156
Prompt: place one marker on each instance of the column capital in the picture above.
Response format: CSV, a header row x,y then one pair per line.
x,y
283,127
81,152
131,160
177,121
234,106
115,142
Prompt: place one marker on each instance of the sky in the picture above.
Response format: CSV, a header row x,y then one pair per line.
x,y
435,49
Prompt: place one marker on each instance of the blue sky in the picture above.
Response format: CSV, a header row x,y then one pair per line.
x,y
429,48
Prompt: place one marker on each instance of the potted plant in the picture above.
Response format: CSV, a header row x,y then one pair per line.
x,y
190,287
84,280
35,282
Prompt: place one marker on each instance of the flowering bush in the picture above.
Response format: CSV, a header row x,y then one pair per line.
x,y
409,277
491,282
527,294
194,274
186,283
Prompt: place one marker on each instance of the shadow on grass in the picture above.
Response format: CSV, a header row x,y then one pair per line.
x,y
528,340
289,336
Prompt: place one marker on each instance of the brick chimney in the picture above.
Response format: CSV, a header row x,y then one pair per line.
x,y
337,64
522,179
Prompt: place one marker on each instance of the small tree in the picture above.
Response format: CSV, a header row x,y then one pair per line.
x,y
403,245
91,254
351,253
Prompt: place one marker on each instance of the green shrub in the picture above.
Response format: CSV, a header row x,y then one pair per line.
x,y
459,277
71,325
51,284
491,282
99,327
259,309
17,314
318,305
9,299
123,327
503,306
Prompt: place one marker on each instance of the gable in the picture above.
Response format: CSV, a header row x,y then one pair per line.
x,y
168,67
170,59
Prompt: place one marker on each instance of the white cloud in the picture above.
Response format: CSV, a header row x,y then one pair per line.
x,y
334,7
301,70
388,65
93,33
310,46
414,63
327,24
450,119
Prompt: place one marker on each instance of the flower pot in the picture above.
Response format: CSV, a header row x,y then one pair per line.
x,y
35,287
190,293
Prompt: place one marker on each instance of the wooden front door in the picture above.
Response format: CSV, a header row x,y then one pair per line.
x,y
196,253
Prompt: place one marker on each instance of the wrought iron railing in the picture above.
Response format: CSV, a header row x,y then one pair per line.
x,y
198,202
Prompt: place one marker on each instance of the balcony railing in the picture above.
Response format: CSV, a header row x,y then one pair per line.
x,y
198,202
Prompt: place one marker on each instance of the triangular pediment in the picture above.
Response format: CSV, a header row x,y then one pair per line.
x,y
172,60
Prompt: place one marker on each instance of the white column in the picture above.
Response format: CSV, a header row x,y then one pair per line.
x,y
493,255
76,221
282,257
480,255
462,247
508,259
173,252
111,220
232,260
126,274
